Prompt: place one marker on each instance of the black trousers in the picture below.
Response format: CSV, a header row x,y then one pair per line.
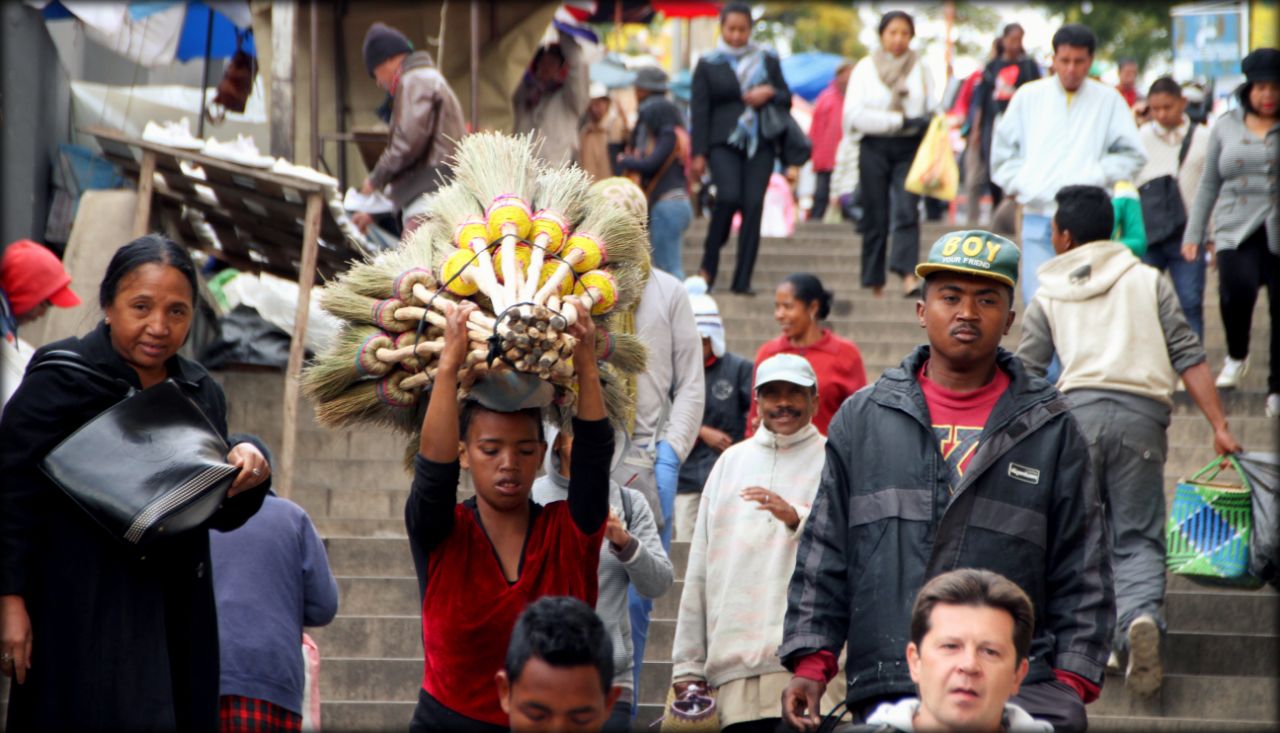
x,y
1241,272
740,185
883,163
821,195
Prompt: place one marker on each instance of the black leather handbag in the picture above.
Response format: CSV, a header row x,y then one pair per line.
x,y
778,125
149,466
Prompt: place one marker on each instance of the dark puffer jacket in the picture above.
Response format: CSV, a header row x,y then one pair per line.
x,y
882,525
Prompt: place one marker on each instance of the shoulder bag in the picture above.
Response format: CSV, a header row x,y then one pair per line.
x,y
147,467
1163,213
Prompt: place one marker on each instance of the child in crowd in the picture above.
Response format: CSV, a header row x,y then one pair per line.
x,y
558,669
482,561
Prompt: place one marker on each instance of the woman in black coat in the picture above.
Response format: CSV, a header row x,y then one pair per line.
x,y
96,636
731,87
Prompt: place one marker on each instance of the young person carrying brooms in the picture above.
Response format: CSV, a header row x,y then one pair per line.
x,y
480,562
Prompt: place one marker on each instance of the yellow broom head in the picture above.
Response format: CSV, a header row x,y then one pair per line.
x,y
624,193
605,285
552,226
523,254
593,250
402,285
352,357
620,235
508,211
451,274
472,233
548,269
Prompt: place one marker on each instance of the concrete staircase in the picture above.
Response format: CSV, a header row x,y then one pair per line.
x,y
1223,651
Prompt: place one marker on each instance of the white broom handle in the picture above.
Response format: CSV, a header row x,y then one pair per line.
x,y
557,277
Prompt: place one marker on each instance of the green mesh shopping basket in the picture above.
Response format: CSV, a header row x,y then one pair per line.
x,y
1209,527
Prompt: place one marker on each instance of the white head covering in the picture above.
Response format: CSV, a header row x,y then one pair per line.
x,y
706,313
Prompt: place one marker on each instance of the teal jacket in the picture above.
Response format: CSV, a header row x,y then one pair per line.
x,y
1129,227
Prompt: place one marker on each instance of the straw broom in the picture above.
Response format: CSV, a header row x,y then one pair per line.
x,y
458,214
607,236
351,358
500,171
561,197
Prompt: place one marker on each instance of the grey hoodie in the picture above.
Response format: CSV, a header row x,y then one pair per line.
x,y
642,562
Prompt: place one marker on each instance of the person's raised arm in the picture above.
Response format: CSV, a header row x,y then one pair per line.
x,y
428,513
593,436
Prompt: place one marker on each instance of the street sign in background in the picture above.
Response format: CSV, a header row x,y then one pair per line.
x,y
1209,39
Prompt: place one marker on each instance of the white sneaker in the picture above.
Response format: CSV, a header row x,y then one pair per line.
x,y
1113,664
1232,372
1273,405
1144,675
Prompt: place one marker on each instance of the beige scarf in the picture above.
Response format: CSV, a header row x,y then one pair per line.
x,y
893,72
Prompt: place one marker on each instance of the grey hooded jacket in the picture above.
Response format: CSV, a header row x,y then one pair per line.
x,y
882,525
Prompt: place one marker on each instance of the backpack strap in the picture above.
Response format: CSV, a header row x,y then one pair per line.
x,y
1186,144
71,360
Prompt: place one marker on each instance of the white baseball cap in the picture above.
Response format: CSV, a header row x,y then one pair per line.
x,y
786,368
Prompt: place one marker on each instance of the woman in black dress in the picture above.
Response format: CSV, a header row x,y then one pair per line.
x,y
731,87
95,636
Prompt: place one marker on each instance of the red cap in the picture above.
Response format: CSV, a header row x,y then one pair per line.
x,y
30,274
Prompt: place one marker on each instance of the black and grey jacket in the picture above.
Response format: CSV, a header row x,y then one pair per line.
x,y
884,523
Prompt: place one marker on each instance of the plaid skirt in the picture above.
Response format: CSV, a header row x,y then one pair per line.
x,y
239,714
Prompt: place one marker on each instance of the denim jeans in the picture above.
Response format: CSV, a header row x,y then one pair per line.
x,y
1037,249
668,219
1188,278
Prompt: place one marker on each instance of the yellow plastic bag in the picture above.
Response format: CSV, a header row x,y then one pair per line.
x,y
934,172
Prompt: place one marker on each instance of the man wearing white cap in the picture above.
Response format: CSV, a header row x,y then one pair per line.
x,y
752,514
593,135
724,415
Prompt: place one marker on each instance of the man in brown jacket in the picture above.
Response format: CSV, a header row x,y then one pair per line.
x,y
426,120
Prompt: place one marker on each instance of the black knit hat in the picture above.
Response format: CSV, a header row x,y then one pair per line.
x,y
1261,65
382,42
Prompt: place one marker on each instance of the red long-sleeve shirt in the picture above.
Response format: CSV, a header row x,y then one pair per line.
x,y
826,128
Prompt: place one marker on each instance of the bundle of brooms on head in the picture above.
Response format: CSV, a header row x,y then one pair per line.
x,y
520,240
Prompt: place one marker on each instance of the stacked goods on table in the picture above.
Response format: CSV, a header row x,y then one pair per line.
x,y
524,243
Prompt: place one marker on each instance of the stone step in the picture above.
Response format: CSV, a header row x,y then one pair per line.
x,y
370,556
1135,724
356,526
356,501
365,716
377,595
371,679
352,475
1191,697
379,637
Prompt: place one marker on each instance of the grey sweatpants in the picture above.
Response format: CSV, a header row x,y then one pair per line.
x,y
1127,448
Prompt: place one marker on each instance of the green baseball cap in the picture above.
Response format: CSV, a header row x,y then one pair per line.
x,y
973,252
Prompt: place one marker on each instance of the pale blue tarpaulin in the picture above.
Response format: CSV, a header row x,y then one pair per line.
x,y
612,74
810,72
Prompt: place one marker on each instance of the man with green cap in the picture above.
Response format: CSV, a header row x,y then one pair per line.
x,y
956,458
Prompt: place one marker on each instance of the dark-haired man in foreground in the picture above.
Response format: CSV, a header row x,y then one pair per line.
x,y
957,458
482,561
559,669
970,636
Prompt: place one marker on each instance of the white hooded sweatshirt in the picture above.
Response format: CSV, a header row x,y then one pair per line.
x,y
901,715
